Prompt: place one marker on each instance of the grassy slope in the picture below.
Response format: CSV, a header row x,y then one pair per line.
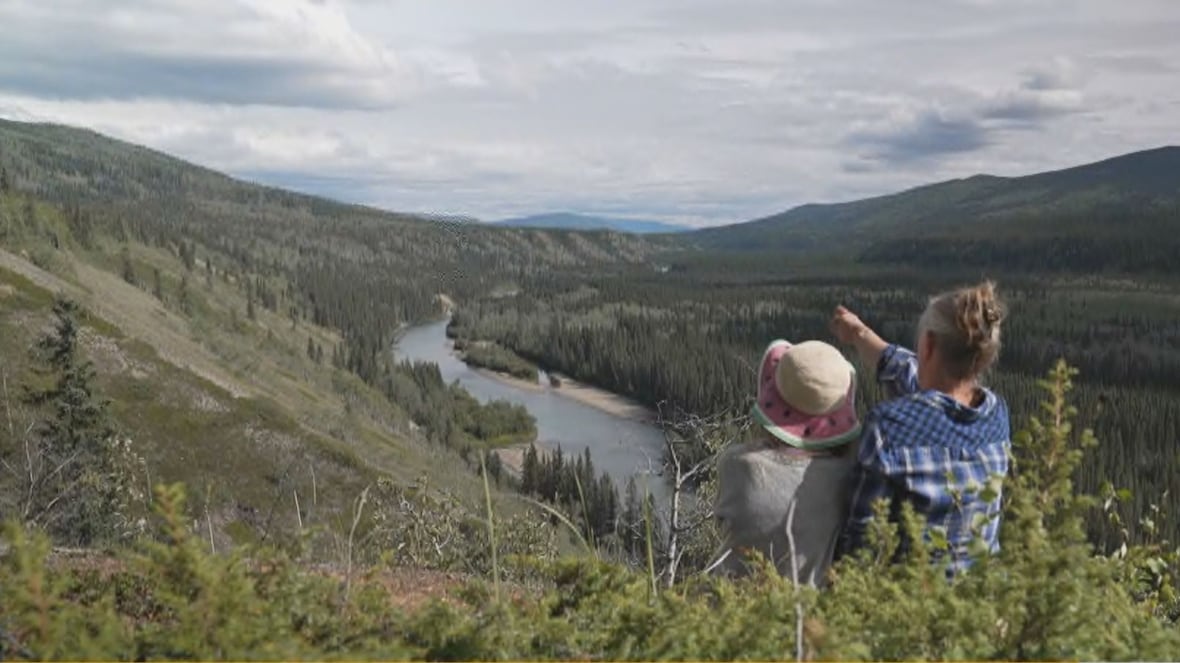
x,y
233,407
262,232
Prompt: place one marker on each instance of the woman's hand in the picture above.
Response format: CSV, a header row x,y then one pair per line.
x,y
851,330
846,326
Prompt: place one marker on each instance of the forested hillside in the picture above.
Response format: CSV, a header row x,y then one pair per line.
x,y
691,337
1117,215
252,292
356,270
176,364
568,221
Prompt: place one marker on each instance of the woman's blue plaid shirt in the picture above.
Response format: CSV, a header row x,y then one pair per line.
x,y
926,448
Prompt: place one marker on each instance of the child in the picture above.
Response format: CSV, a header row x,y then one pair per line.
x,y
793,477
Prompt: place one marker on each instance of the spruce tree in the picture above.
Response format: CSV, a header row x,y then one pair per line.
x,y
631,520
157,284
30,214
530,467
186,304
129,268
76,487
188,253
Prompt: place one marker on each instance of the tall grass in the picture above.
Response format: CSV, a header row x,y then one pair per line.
x,y
487,496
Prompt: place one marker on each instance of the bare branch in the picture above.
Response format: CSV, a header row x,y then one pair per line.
x,y
795,579
7,405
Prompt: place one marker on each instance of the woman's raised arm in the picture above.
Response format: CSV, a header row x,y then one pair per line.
x,y
851,330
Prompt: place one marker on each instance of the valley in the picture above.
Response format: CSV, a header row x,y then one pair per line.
x,y
291,361
172,253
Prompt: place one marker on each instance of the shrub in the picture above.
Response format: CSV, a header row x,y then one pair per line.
x,y
420,527
1045,595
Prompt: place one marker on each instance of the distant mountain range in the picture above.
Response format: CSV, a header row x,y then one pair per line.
x,y
1121,213
569,221
982,203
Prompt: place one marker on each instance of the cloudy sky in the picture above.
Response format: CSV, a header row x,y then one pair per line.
x,y
695,111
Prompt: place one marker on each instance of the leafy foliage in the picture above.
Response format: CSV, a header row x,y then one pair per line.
x,y
1046,595
423,528
496,358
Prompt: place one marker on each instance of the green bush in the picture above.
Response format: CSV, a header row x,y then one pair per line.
x,y
1045,595
493,357
427,528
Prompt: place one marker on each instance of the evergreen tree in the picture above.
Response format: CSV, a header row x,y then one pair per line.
x,y
186,304
188,253
157,284
78,482
128,267
529,470
30,214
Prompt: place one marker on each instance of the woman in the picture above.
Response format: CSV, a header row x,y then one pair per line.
x,y
785,494
943,436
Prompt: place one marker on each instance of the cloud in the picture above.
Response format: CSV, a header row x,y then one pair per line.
x,y
1134,63
1044,93
1062,74
703,111
1032,106
966,121
928,134
296,53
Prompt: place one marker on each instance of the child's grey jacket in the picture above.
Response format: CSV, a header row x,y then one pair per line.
x,y
758,485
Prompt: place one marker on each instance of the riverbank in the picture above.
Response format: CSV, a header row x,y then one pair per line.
x,y
504,378
607,401
599,399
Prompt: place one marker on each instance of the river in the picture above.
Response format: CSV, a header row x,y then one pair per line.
x,y
620,446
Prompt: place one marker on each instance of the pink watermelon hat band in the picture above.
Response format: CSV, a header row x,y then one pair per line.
x,y
790,424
